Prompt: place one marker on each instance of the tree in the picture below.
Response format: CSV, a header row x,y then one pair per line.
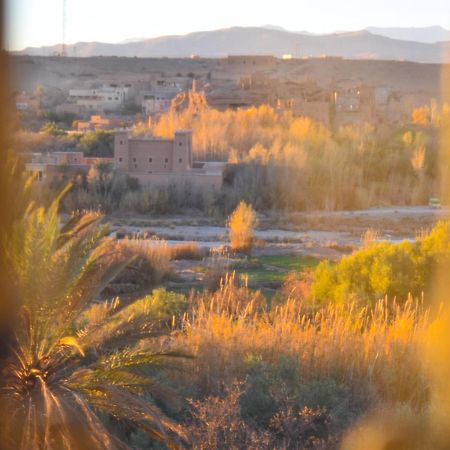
x,y
97,143
71,358
241,225
51,129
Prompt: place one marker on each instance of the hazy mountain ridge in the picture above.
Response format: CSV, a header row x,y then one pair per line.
x,y
427,35
262,40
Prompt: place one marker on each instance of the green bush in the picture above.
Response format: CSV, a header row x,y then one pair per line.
x,y
169,303
257,401
270,388
51,129
383,269
99,143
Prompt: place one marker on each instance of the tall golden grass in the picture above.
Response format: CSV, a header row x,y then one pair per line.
x,y
374,349
150,264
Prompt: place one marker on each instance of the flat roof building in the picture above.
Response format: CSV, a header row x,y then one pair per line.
x,y
61,165
105,98
160,161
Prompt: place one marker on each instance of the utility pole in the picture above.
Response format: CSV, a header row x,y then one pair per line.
x,y
64,17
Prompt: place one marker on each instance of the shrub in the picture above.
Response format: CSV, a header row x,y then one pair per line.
x,y
187,250
262,379
217,424
273,387
394,270
241,224
51,129
150,264
168,304
97,143
307,427
217,266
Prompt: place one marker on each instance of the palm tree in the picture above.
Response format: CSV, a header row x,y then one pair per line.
x,y
74,362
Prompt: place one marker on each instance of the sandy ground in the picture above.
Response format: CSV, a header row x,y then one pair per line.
x,y
331,235
333,228
401,211
213,236
334,234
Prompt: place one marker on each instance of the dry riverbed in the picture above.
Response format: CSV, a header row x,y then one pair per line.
x,y
283,242
318,234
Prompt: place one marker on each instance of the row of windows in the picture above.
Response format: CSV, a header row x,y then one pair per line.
x,y
180,143
150,160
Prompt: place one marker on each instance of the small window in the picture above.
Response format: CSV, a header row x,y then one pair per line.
x,y
120,159
166,160
150,160
180,144
134,159
180,160
121,142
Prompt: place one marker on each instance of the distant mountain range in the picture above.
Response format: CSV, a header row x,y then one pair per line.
x,y
426,35
272,40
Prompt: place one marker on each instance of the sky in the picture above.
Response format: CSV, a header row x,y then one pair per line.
x,y
39,22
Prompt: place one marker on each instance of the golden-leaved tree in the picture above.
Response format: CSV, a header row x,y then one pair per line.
x,y
241,224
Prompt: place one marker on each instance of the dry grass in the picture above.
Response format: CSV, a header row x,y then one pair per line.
x,y
217,267
370,237
372,349
186,250
151,263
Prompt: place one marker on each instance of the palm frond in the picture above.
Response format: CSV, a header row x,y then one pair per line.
x,y
71,356
124,406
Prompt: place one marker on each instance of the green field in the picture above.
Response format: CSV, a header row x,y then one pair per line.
x,y
274,268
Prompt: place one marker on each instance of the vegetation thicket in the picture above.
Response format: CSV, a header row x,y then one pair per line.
x,y
241,224
283,377
384,269
84,373
276,161
287,162
292,372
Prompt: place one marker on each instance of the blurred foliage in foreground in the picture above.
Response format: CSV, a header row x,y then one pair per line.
x,y
73,364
